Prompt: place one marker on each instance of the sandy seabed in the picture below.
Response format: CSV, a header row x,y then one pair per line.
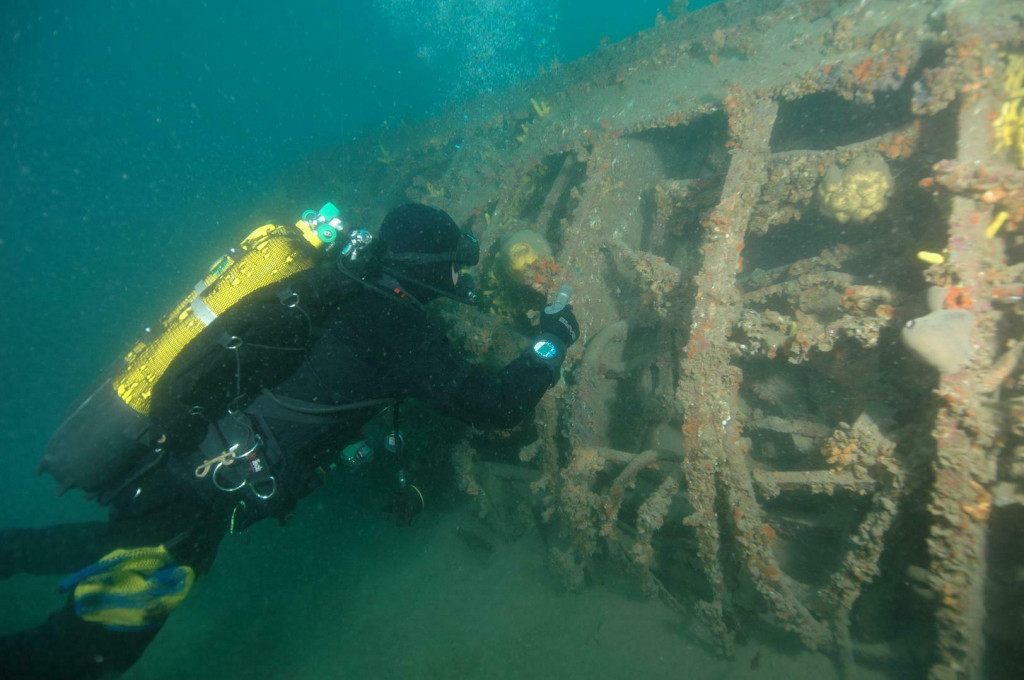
x,y
343,593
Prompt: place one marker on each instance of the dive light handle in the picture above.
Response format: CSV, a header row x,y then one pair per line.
x,y
560,301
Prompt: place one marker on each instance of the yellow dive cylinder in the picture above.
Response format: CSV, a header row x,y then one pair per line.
x,y
267,255
105,434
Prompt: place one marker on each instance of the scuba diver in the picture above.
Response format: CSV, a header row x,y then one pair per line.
x,y
238,408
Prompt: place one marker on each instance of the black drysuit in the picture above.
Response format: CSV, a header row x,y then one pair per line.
x,y
371,344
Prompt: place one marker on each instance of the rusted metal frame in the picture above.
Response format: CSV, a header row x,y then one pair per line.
x,y
581,251
805,428
555,192
671,196
651,516
708,382
632,465
715,460
860,564
964,460
826,265
792,288
546,422
965,428
576,502
770,483
567,483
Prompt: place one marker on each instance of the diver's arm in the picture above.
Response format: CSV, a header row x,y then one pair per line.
x,y
482,399
485,399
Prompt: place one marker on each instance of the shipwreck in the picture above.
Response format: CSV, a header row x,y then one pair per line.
x,y
793,232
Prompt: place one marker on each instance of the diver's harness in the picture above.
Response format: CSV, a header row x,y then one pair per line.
x,y
241,460
240,456
174,380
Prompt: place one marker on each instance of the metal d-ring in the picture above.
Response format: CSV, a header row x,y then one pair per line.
x,y
268,495
220,486
291,301
257,442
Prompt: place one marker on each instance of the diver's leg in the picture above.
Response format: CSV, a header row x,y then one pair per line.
x,y
66,548
58,549
65,646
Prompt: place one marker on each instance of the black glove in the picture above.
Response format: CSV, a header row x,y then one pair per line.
x,y
405,504
562,324
558,330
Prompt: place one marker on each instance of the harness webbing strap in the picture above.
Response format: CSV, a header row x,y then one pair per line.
x,y
274,406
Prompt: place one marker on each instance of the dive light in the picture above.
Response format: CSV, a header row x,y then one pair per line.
x,y
560,301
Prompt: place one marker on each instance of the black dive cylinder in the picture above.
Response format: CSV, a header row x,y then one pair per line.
x,y
100,439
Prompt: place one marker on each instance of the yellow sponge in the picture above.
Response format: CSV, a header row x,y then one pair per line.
x,y
858,191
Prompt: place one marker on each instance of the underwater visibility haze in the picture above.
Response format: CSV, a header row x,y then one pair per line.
x,y
145,132
786,438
